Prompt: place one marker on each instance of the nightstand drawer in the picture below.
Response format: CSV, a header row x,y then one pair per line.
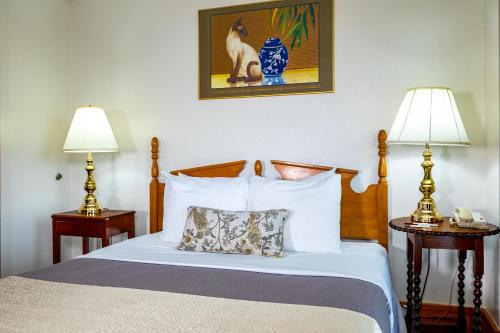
x,y
78,228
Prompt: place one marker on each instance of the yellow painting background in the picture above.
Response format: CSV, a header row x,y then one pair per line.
x,y
259,29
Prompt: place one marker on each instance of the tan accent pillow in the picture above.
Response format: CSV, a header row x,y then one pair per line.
x,y
214,230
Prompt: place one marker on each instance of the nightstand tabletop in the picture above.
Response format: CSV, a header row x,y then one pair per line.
x,y
73,214
443,229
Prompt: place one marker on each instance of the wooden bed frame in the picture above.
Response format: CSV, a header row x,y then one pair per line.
x,y
363,215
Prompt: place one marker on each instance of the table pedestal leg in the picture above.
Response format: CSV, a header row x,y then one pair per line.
x,y
56,248
417,302
478,274
461,321
417,269
476,314
85,245
409,283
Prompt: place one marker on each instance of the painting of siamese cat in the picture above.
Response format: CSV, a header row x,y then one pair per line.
x,y
245,61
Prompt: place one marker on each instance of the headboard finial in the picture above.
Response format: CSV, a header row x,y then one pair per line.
x,y
382,152
258,168
154,157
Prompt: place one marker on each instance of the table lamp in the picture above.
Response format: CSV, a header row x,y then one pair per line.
x,y
428,116
89,133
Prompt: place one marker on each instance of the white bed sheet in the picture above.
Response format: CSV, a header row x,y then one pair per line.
x,y
359,260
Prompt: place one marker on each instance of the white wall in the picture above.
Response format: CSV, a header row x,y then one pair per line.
x,y
139,60
34,61
492,100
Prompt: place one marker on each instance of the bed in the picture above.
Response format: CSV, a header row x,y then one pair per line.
x,y
146,284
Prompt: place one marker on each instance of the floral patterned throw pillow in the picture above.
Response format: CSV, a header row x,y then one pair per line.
x,y
213,230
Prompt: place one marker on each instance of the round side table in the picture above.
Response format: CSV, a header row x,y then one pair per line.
x,y
444,236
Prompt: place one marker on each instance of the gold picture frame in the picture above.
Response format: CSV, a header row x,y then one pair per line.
x,y
266,49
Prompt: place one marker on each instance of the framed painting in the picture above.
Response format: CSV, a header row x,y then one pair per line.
x,y
268,48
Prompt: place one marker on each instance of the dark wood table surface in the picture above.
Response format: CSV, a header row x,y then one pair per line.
x,y
444,236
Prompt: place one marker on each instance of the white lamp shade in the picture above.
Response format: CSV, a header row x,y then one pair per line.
x,y
428,115
90,132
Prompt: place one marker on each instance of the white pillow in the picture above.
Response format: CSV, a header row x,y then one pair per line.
x,y
314,224
183,191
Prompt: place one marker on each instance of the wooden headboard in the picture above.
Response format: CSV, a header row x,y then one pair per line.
x,y
362,215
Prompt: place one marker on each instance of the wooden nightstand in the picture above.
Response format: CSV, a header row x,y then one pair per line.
x,y
443,237
103,226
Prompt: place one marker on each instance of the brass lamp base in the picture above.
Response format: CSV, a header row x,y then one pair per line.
x,y
90,210
426,210
90,205
426,213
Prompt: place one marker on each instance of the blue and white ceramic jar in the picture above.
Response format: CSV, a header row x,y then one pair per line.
x,y
273,57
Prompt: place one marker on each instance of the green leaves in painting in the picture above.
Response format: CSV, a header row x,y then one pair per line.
x,y
292,22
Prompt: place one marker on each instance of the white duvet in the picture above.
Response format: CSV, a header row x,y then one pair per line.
x,y
359,260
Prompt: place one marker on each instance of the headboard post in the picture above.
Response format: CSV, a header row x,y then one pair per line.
x,y
382,210
153,188
382,152
258,168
